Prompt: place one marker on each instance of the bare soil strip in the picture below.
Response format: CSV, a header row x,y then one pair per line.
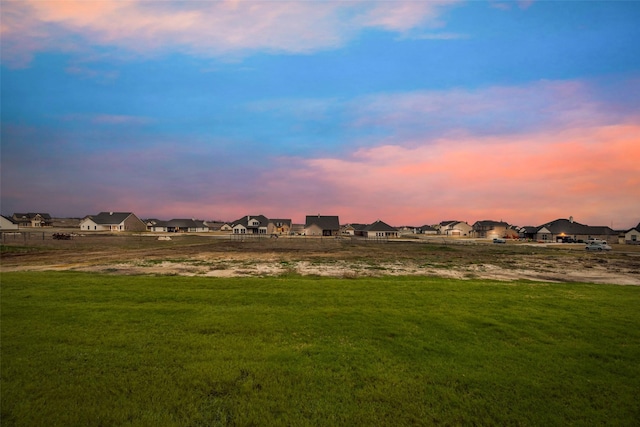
x,y
219,256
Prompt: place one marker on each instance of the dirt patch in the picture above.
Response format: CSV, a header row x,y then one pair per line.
x,y
216,256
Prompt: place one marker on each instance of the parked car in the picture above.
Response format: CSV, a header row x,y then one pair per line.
x,y
598,246
497,240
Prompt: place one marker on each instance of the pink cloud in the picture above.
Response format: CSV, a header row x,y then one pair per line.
x,y
119,119
108,119
403,16
201,28
495,108
591,173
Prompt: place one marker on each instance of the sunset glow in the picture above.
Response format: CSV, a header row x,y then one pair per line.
x,y
409,112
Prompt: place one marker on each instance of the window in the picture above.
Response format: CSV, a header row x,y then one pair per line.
x,y
634,238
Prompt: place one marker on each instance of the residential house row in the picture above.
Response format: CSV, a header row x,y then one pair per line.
x,y
559,230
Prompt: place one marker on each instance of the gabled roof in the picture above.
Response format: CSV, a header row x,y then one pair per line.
x,y
451,224
379,226
110,218
156,223
285,221
427,228
636,228
31,215
357,227
566,226
323,222
244,221
185,223
216,225
8,219
529,229
490,223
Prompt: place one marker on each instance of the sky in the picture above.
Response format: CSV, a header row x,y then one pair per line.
x,y
411,112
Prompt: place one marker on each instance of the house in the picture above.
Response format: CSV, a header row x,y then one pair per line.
x,y
426,229
7,224
256,224
32,219
632,236
528,232
112,221
187,226
279,226
562,229
352,229
321,225
488,229
154,224
380,229
408,229
177,226
348,230
454,228
219,226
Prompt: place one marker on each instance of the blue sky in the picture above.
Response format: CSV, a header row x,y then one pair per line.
x,y
410,112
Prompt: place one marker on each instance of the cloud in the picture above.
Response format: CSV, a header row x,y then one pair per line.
x,y
588,172
490,110
115,119
107,119
507,4
222,28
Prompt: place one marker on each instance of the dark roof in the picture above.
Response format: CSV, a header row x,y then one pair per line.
x,y
445,223
379,226
322,221
110,217
566,226
185,223
358,227
216,225
245,221
8,219
31,215
427,228
490,223
529,229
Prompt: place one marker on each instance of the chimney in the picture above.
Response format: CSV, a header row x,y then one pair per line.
x,y
571,219
110,213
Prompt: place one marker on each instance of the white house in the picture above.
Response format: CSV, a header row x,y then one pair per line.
x,y
112,221
7,224
632,237
32,219
379,229
322,225
256,224
455,228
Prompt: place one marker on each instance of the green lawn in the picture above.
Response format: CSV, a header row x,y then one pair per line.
x,y
103,350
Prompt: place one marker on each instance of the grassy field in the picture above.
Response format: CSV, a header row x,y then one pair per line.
x,y
101,350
